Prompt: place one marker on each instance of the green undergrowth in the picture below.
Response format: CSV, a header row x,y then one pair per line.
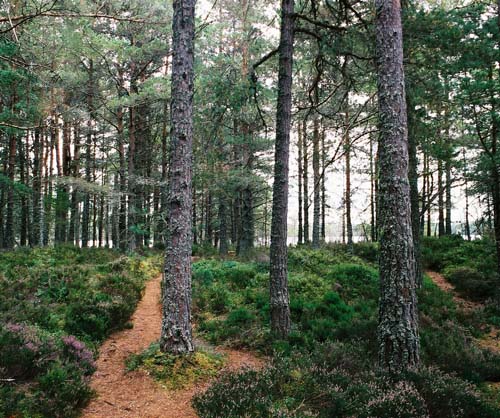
x,y
56,306
469,265
177,371
333,300
339,380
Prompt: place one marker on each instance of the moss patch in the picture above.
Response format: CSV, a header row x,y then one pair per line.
x,y
176,372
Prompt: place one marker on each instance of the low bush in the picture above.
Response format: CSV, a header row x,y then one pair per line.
x,y
56,306
470,282
42,373
337,380
334,301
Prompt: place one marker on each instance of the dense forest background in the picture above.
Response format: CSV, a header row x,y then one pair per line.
x,y
310,186
85,121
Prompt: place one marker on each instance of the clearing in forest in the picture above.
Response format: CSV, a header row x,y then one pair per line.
x,y
122,394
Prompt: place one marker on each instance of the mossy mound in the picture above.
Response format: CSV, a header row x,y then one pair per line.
x,y
176,371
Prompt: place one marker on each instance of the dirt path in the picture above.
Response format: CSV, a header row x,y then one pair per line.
x,y
491,340
446,286
135,394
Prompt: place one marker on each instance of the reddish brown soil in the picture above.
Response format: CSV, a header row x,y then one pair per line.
x,y
446,286
135,394
490,340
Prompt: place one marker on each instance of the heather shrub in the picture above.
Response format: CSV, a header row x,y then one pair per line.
x,y
42,373
339,380
470,282
56,306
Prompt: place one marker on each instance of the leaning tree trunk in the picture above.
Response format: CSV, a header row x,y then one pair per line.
x,y
398,318
176,332
279,298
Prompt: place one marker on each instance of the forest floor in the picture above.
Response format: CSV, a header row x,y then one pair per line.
x,y
122,394
491,339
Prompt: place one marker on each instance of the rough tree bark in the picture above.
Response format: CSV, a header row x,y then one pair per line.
x,y
279,297
176,332
398,318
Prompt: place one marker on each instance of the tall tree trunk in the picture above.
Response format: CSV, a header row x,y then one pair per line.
x,y
316,176
448,195
424,196
176,332
373,233
347,196
430,188
305,185
88,157
24,176
300,238
323,187
9,238
223,246
466,191
398,317
74,227
414,197
208,218
37,187
441,228
279,298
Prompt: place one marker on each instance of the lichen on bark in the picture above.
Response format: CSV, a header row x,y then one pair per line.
x,y
398,315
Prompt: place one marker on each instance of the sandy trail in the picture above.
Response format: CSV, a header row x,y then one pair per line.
x,y
135,394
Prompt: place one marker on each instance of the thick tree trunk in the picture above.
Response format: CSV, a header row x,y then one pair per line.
x,y
176,332
398,317
279,298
